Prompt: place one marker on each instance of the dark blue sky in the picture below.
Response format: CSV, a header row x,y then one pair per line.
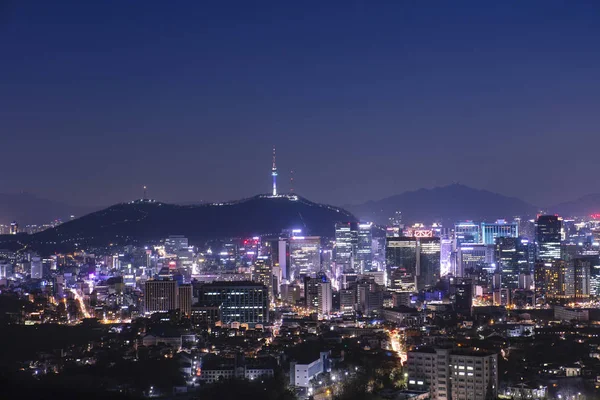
x,y
363,99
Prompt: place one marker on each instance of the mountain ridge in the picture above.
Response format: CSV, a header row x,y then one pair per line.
x,y
147,221
449,203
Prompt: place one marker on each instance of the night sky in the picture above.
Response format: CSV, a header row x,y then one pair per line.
x,y
363,99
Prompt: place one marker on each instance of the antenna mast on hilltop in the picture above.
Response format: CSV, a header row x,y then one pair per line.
x,y
292,181
274,174
145,197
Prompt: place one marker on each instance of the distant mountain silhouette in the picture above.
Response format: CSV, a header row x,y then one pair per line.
x,y
26,208
447,204
142,222
586,205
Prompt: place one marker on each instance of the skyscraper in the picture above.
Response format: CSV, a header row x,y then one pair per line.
x,y
401,263
246,302
547,237
160,296
428,264
364,250
466,232
263,273
274,174
501,228
413,263
184,299
346,237
305,256
507,262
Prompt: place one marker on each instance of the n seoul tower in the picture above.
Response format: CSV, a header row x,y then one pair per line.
x,y
274,174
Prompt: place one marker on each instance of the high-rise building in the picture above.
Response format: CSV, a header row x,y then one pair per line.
x,y
447,257
184,299
369,296
274,174
311,292
160,296
364,250
346,238
14,228
347,300
37,268
318,294
582,268
401,263
428,265
325,297
175,243
548,237
463,297
263,273
454,374
245,302
507,262
466,232
305,256
473,256
554,279
413,263
501,228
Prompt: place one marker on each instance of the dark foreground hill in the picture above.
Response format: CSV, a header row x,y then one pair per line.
x,y
142,222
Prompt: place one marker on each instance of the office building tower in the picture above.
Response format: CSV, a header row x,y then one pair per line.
x,y
428,265
364,249
325,297
263,273
463,297
175,243
394,228
413,263
401,263
501,228
474,256
582,269
554,279
466,232
369,296
305,256
311,292
447,258
346,238
453,374
347,300
548,237
37,268
184,299
507,262
14,228
244,302
160,296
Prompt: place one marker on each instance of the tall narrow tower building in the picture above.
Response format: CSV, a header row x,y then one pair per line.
x,y
274,174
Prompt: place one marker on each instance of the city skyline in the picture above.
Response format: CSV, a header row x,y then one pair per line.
x,y
349,95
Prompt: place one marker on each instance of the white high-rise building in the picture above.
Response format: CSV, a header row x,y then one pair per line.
x,y
37,268
325,298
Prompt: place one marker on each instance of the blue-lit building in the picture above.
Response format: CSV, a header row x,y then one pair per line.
x,y
466,232
501,228
548,237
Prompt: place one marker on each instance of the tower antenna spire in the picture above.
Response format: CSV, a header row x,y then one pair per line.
x,y
274,174
292,181
145,193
